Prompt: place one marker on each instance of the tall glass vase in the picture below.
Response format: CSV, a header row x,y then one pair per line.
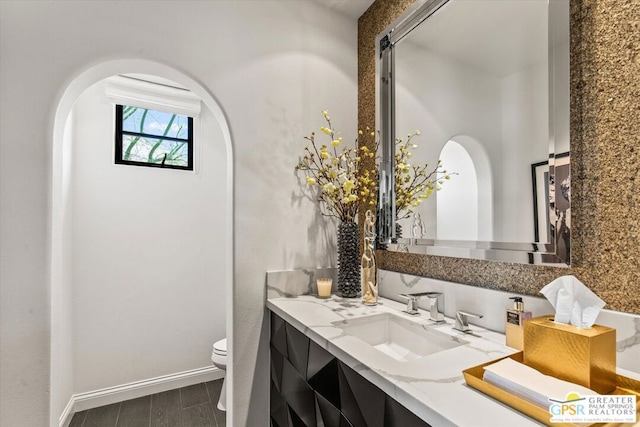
x,y
348,260
369,271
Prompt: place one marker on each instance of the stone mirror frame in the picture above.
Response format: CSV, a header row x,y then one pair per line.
x,y
605,167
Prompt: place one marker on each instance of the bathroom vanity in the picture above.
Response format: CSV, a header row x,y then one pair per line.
x,y
310,385
327,362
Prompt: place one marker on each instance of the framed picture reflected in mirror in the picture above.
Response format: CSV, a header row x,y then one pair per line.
x,y
545,210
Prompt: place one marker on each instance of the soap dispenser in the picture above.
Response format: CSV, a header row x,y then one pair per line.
x,y
514,328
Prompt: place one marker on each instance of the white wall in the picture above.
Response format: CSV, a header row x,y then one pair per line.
x,y
525,136
273,66
62,328
148,263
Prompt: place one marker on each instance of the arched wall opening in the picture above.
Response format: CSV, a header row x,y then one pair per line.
x,y
63,272
458,206
465,209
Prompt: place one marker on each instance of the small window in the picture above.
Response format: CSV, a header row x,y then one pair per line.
x,y
153,138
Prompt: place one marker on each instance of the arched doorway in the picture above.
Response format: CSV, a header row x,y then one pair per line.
x,y
63,290
465,208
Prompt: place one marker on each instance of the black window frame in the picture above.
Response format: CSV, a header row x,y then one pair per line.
x,y
120,133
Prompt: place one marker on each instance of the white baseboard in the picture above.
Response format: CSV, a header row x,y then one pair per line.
x,y
67,414
106,396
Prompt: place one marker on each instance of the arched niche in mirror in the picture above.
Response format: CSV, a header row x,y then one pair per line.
x,y
458,215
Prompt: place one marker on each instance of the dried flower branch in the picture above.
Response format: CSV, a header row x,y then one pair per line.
x,y
341,184
415,183
333,173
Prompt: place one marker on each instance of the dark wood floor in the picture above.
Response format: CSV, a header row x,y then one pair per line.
x,y
192,406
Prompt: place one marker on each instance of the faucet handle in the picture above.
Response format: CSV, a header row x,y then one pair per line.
x,y
462,323
412,304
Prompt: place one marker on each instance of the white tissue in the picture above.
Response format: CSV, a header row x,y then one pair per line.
x,y
574,303
529,384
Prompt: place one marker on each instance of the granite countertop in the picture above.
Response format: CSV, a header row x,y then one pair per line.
x,y
432,386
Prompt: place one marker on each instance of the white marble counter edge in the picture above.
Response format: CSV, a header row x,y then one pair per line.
x,y
414,399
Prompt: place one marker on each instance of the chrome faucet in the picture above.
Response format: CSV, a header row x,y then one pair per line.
x,y
434,314
462,323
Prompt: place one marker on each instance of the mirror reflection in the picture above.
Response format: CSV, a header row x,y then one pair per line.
x,y
487,85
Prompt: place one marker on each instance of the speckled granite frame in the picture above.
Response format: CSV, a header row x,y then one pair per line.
x,y
605,151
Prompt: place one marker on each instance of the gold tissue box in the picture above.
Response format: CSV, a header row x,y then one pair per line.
x,y
582,356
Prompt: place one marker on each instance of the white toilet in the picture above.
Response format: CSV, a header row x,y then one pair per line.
x,y
219,358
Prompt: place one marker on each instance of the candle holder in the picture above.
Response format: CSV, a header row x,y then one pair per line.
x,y
324,287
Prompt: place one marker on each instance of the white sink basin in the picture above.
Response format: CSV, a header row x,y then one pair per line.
x,y
397,336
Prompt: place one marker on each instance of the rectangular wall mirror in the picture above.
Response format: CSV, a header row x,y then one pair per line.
x,y
486,82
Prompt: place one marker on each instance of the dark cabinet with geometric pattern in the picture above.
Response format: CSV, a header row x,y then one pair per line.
x,y
310,387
